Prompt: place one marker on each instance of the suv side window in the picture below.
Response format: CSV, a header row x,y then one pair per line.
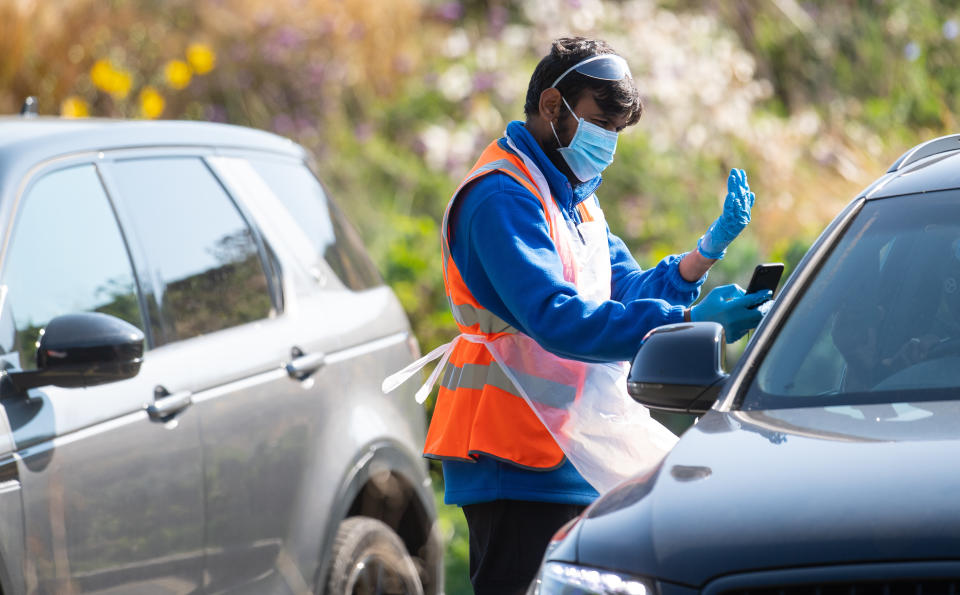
x,y
331,234
66,255
204,258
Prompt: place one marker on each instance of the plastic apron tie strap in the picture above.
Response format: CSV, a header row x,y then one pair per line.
x,y
394,380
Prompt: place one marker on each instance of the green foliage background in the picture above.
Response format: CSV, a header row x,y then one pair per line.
x,y
814,99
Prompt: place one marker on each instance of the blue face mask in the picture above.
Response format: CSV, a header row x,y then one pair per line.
x,y
590,151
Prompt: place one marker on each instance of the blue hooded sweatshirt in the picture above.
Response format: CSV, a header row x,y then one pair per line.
x,y
500,242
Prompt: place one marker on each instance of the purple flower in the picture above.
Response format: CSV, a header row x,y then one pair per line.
x,y
281,43
317,73
950,29
288,37
215,113
484,81
363,131
418,146
911,51
497,19
282,124
450,11
304,124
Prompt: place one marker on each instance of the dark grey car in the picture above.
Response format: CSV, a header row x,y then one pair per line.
x,y
249,449
826,462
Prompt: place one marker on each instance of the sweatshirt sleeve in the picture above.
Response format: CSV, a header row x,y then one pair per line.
x,y
510,246
629,282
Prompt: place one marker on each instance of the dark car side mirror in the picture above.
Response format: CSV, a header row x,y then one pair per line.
x,y
679,368
84,349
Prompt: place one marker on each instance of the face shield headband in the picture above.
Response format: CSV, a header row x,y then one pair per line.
x,y
606,67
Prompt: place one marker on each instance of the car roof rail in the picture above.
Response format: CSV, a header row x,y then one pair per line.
x,y
29,108
931,147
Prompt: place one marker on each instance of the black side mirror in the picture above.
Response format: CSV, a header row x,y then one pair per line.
x,y
679,368
83,350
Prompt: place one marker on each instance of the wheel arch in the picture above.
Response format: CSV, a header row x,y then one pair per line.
x,y
386,482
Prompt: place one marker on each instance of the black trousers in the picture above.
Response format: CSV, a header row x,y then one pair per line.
x,y
507,542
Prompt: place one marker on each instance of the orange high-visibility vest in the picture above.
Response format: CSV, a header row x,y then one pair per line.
x,y
478,410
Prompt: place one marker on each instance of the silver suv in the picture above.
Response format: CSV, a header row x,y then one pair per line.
x,y
192,340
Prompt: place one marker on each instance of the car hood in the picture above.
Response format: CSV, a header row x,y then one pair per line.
x,y
783,488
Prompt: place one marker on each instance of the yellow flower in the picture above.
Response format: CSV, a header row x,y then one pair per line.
x,y
151,103
201,58
111,80
74,107
121,84
178,73
102,74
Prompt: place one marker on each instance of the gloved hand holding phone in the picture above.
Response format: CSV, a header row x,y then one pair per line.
x,y
733,308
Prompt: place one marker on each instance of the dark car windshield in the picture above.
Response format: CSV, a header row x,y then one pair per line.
x,y
880,322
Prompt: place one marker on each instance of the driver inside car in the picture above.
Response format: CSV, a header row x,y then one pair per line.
x,y
907,323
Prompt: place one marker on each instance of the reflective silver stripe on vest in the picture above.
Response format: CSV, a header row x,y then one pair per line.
x,y
476,376
489,322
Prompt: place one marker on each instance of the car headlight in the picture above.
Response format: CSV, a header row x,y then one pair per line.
x,y
561,578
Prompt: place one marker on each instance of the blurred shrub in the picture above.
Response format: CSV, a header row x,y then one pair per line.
x,y
812,99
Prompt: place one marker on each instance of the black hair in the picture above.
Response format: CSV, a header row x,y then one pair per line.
x,y
613,97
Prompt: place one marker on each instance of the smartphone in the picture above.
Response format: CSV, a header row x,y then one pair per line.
x,y
765,276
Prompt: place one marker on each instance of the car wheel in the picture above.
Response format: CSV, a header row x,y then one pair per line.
x,y
370,559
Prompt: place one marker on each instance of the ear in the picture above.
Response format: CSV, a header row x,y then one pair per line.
x,y
550,104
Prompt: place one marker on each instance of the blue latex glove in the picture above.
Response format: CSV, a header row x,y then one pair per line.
x,y
735,216
730,306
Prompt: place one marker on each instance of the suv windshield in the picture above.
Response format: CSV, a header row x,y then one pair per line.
x,y
880,322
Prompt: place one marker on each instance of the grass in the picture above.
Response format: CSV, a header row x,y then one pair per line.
x,y
453,528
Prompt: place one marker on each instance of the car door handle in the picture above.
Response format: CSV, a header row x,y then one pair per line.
x,y
303,365
166,405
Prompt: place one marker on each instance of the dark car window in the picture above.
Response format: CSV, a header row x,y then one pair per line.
x,y
66,256
881,320
331,234
202,253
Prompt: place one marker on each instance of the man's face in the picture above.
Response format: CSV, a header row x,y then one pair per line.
x,y
585,107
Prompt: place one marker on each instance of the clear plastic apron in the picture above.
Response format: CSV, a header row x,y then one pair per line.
x,y
604,433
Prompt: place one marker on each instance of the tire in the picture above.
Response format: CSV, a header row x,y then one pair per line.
x,y
369,559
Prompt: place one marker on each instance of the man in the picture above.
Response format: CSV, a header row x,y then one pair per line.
x,y
532,273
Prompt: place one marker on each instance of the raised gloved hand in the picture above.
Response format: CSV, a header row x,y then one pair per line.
x,y
730,306
735,216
